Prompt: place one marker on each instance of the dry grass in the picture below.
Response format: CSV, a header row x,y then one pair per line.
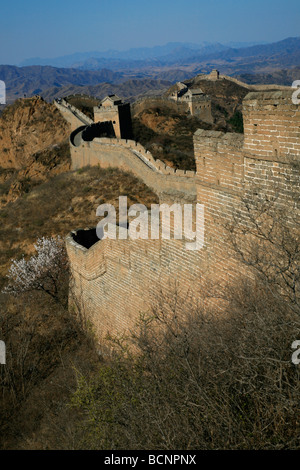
x,y
46,344
65,202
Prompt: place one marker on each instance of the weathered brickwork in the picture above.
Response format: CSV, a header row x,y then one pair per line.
x,y
272,124
71,114
114,278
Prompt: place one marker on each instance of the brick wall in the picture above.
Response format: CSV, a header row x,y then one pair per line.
x,y
129,155
114,278
232,166
72,115
272,124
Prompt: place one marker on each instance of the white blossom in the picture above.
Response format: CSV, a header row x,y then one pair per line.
x,y
41,271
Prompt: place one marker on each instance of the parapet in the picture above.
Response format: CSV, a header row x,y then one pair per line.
x,y
137,149
87,261
272,95
214,138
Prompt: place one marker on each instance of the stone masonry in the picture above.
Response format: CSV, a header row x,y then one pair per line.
x,y
113,280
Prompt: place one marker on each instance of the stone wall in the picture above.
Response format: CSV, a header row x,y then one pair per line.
x,y
114,278
230,166
158,101
214,77
72,115
129,155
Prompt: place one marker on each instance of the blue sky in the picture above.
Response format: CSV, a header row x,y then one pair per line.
x,y
52,28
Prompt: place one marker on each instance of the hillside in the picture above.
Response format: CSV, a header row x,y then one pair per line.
x,y
33,80
41,197
226,96
29,126
35,392
33,146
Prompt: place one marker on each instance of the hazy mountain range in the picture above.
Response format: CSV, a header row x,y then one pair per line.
x,y
232,58
151,69
167,52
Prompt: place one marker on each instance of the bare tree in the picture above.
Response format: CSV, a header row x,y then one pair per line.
x,y
265,235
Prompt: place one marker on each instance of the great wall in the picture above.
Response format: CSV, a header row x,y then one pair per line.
x,y
127,155
115,279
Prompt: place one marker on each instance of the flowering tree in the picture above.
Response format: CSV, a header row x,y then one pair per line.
x,y
43,271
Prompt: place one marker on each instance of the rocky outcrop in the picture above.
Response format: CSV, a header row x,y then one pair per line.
x,y
27,127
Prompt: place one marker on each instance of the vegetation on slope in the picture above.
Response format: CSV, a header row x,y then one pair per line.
x,y
27,127
45,344
64,202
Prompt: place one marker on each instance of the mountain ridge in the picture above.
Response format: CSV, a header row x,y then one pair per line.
x,y
170,54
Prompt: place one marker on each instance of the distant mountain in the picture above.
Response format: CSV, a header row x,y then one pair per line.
x,y
286,46
172,62
181,53
238,45
278,77
35,79
230,58
170,50
259,58
128,90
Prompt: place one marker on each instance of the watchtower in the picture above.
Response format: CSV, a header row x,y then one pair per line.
x,y
112,109
214,75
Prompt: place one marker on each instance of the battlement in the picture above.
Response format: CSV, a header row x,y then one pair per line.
x,y
129,155
146,156
73,115
137,148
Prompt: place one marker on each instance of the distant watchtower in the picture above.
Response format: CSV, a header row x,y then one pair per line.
x,y
112,109
214,75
